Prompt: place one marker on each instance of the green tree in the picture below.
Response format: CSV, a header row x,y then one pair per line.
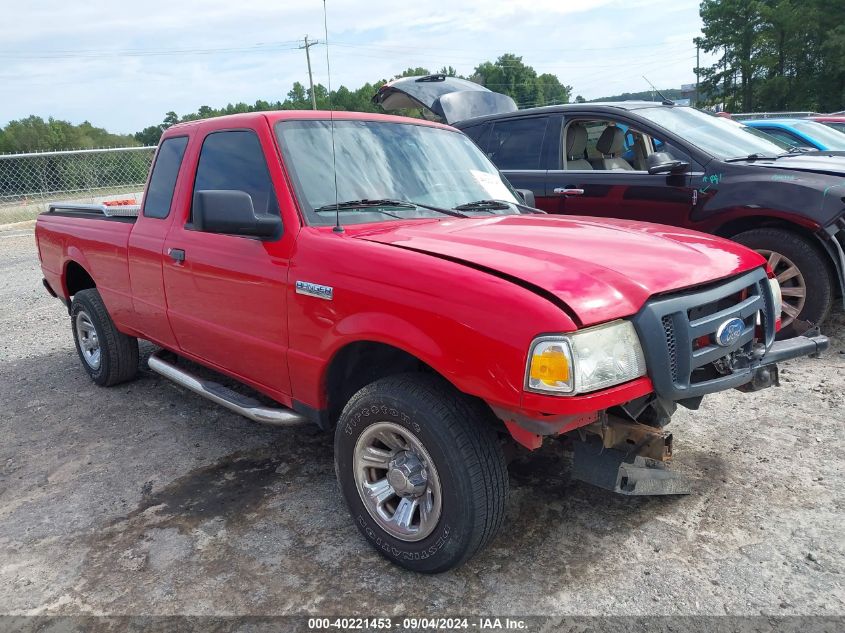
x,y
170,118
510,76
732,30
507,74
34,134
149,135
774,54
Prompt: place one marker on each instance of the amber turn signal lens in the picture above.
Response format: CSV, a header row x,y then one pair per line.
x,y
550,367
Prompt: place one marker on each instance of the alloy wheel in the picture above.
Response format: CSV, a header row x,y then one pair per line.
x,y
397,481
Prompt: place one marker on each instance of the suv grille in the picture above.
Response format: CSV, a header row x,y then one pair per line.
x,y
678,335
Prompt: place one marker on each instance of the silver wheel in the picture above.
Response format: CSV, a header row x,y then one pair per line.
x,y
89,341
397,481
792,284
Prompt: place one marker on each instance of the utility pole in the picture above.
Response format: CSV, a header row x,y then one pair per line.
x,y
697,66
307,46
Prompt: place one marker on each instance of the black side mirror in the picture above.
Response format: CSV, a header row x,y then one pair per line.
x,y
665,163
527,197
232,213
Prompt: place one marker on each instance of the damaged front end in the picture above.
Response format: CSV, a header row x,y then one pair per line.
x,y
697,342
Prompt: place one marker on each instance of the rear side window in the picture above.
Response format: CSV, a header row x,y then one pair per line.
x,y
479,134
159,193
234,161
517,144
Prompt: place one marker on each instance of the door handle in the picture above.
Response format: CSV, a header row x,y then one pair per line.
x,y
569,191
176,254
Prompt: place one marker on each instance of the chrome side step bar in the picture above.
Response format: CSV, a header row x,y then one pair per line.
x,y
232,400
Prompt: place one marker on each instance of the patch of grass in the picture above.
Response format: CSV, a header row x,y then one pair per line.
x,y
10,215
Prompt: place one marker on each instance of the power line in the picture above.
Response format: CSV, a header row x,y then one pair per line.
x,y
99,54
475,50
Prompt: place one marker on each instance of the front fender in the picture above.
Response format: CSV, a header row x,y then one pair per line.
x,y
483,368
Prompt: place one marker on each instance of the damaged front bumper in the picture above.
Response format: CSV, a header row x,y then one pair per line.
x,y
764,373
687,359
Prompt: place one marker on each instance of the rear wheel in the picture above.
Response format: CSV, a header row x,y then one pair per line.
x,y
109,356
421,470
802,271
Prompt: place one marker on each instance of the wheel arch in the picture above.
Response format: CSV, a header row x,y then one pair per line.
x,y
75,278
734,227
362,362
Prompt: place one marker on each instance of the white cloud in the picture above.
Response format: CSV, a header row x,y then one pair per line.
x,y
59,59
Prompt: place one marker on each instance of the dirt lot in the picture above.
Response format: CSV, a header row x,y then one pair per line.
x,y
143,499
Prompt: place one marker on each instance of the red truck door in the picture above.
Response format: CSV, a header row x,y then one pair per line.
x,y
146,242
226,294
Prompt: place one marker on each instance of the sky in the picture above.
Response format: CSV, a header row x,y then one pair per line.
x,y
123,65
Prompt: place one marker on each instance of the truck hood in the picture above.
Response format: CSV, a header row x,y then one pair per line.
x,y
600,269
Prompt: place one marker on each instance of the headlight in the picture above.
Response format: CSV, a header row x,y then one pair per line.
x,y
776,295
585,361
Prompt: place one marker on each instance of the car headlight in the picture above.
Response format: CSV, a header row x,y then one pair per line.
x,y
584,361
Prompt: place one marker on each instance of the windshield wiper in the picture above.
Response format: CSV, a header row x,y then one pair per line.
x,y
365,203
794,150
386,202
750,157
483,205
452,212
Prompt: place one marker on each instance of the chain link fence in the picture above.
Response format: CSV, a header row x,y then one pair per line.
x,y
29,182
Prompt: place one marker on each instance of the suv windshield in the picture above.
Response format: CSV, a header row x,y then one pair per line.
x,y
718,137
389,171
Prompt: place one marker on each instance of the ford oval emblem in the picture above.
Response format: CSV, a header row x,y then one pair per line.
x,y
729,332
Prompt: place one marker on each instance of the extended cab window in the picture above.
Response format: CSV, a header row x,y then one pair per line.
x,y
518,143
163,180
234,161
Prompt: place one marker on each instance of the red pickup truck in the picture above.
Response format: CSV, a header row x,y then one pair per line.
x,y
378,276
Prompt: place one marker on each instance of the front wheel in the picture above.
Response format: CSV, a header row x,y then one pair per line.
x,y
422,471
803,272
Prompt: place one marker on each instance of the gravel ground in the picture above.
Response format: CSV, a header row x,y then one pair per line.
x,y
144,499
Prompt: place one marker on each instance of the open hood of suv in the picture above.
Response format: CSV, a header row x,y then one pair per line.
x,y
601,269
449,98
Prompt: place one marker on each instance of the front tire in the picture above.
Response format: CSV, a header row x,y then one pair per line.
x,y
109,356
803,272
422,471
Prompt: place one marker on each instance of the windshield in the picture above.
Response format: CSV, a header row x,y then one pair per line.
x,y
718,137
836,125
379,162
830,138
772,139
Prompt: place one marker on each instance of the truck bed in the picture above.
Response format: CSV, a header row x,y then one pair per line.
x,y
95,237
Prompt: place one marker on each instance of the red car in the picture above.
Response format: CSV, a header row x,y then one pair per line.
x,y
377,276
831,120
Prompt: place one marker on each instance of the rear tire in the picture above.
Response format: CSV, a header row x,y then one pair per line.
x,y
441,442
788,252
109,356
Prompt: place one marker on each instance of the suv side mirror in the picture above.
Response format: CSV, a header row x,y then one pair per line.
x,y
527,197
665,163
232,213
